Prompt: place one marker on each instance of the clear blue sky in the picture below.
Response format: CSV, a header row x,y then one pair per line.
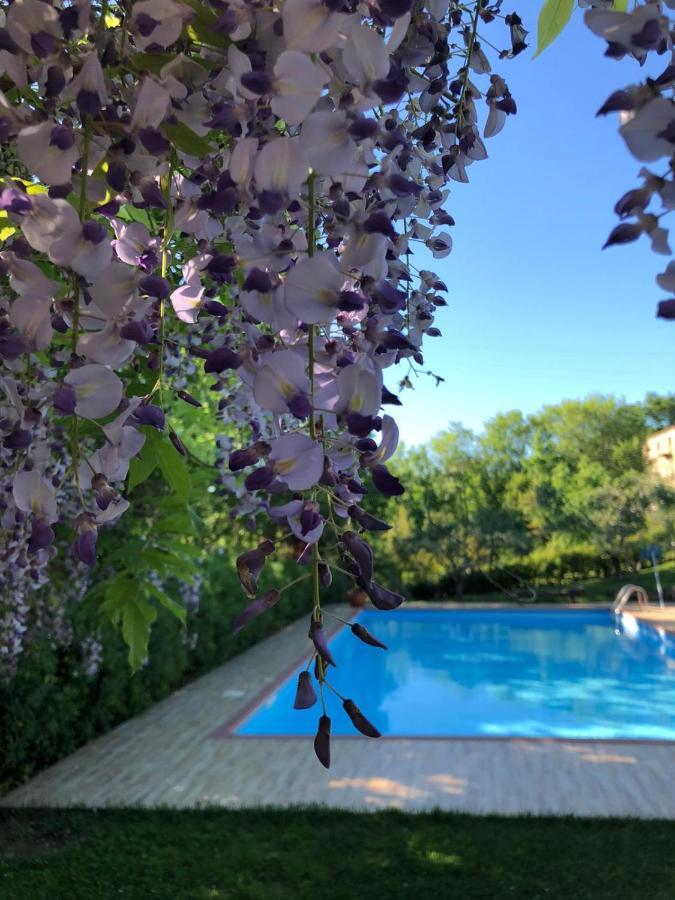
x,y
537,312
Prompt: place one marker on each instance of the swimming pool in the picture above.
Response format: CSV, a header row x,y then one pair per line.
x,y
492,673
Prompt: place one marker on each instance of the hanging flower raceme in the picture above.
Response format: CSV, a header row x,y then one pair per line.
x,y
234,195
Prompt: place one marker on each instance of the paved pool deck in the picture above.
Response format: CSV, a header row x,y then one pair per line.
x,y
176,754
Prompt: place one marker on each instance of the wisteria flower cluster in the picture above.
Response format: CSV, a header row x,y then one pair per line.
x,y
647,116
237,190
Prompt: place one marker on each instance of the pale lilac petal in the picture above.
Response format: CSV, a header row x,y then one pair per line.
x,y
44,158
31,316
309,25
282,166
297,460
328,147
360,390
312,289
98,390
298,85
34,494
187,299
106,346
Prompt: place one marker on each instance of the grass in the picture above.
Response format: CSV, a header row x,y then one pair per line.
x,y
315,853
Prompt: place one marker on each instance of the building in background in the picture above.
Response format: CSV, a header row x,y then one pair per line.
x,y
659,450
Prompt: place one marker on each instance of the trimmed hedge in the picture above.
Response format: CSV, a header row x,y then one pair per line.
x,y
52,706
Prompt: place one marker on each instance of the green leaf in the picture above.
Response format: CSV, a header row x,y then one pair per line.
x,y
141,467
621,5
123,602
185,139
150,62
138,615
175,608
554,15
174,469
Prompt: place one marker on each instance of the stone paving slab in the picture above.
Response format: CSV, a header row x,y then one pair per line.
x,y
168,756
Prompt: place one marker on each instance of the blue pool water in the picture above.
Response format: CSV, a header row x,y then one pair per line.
x,y
493,673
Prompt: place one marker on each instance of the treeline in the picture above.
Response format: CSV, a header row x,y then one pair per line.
x,y
560,495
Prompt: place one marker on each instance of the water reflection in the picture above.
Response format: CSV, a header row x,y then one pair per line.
x,y
567,673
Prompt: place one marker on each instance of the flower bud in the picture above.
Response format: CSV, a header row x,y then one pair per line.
x,y
320,640
361,552
305,695
359,721
364,635
322,742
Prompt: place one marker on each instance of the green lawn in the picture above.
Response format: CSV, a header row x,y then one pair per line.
x,y
326,855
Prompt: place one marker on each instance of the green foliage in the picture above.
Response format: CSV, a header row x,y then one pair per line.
x,y
561,494
53,706
553,17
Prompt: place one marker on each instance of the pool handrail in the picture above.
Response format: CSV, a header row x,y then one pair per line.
x,y
625,593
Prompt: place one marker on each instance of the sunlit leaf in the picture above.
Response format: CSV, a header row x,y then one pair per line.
x,y
554,15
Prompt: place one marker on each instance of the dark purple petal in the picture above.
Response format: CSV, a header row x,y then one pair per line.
x,y
154,141
320,640
361,552
361,426
250,565
15,201
149,414
325,574
145,24
64,399
259,479
177,443
381,597
140,331
84,546
386,483
623,234
389,398
299,406
41,536
155,286
221,360
255,609
18,439
215,308
666,309
241,459
62,137
367,521
257,280
94,232
258,83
